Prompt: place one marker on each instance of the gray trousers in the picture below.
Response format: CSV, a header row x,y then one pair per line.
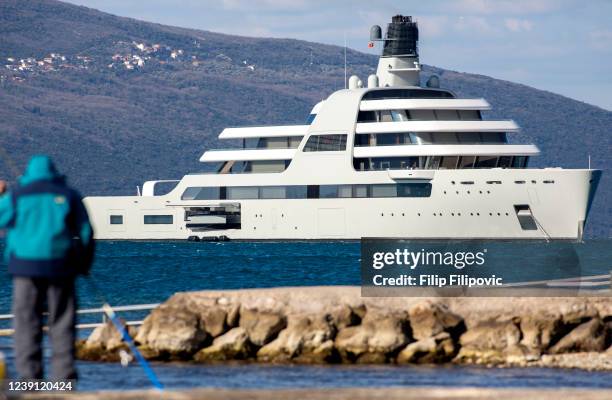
x,y
30,295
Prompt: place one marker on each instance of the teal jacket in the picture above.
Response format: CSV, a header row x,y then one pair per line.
x,y
49,234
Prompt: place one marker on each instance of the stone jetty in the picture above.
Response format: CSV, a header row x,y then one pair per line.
x,y
334,324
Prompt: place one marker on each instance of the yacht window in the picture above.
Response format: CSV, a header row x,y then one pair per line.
x,y
267,166
433,162
158,219
116,219
387,139
381,163
294,141
367,116
504,162
423,115
486,162
328,191
276,142
446,115
414,190
407,94
345,191
190,193
385,116
360,191
398,115
201,193
362,140
444,138
449,162
238,167
242,192
469,115
383,191
312,192
326,143
273,192
303,192
297,192
468,137
280,142
493,137
467,162
383,139
335,191
520,162
425,138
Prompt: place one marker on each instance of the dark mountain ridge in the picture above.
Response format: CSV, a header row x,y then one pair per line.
x,y
117,101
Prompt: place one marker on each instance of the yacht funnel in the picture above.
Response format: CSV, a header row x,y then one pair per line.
x,y
399,63
402,37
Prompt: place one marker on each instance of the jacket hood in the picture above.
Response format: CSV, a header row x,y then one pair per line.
x,y
39,168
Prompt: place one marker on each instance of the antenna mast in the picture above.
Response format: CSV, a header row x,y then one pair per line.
x,y
345,60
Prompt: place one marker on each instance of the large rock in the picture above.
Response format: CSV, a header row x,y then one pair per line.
x,y
261,325
490,342
105,336
346,315
214,321
172,331
540,331
307,339
435,349
428,319
104,343
375,340
588,336
233,345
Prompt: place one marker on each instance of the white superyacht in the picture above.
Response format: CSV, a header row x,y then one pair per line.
x,y
389,159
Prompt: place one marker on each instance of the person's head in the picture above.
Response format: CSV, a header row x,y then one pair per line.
x,y
40,167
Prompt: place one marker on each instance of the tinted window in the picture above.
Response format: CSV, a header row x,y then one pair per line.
x,y
406,94
486,162
242,192
414,190
326,143
116,219
273,192
383,191
328,191
314,192
467,162
505,162
158,219
202,193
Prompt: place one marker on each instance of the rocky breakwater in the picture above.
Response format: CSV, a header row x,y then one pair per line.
x,y
322,325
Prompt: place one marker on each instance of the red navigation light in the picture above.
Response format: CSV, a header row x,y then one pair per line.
x,y
371,44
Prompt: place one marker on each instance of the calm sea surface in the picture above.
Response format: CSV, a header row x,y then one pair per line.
x,y
149,272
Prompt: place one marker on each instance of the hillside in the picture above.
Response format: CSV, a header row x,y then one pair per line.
x,y
118,101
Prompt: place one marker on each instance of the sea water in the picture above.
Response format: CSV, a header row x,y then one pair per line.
x,y
150,272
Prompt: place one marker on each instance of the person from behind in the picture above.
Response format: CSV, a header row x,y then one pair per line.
x,y
48,244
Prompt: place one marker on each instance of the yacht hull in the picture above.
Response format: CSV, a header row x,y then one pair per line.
x,y
464,204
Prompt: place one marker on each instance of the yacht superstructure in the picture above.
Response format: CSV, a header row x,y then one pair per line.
x,y
392,159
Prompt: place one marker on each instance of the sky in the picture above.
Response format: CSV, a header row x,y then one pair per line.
x,y
564,46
